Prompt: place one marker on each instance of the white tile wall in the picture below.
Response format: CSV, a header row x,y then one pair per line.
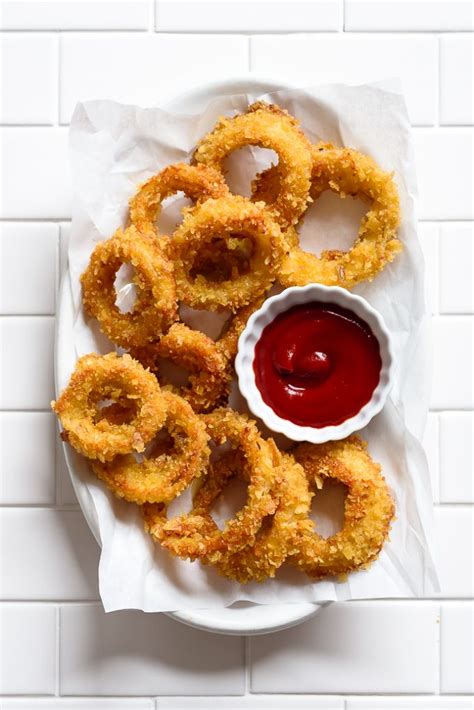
x,y
308,59
107,65
28,70
456,78
455,532
453,373
408,15
457,276
33,248
441,154
27,349
333,652
27,649
456,431
35,173
132,653
47,554
55,639
457,650
27,470
247,15
78,704
75,14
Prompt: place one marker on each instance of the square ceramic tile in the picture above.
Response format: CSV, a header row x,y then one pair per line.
x,y
252,702
47,554
452,371
79,704
457,648
408,15
75,14
64,234
457,268
429,239
431,446
247,15
106,66
355,647
456,79
308,60
35,173
26,365
27,649
441,197
29,78
64,491
431,702
28,268
456,457
132,653
455,537
27,458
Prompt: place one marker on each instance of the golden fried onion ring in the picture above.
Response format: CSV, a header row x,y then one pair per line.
x,y
209,381
224,218
267,126
163,476
368,509
155,307
345,172
134,391
196,535
276,540
198,182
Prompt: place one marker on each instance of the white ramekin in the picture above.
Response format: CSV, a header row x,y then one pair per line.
x,y
275,305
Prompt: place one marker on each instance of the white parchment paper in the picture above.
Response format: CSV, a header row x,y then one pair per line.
x,y
116,147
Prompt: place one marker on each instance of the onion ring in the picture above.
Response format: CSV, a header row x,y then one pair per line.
x,y
208,384
267,126
195,535
161,477
368,509
124,381
277,540
345,172
155,306
198,182
224,218
228,340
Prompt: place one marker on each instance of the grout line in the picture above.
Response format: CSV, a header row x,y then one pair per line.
x,y
249,54
247,665
60,508
438,83
440,668
57,663
152,16
58,80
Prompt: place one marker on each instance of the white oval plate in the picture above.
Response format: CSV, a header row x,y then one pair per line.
x,y
244,618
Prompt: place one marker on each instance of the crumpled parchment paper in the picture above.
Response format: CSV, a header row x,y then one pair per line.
x,y
114,148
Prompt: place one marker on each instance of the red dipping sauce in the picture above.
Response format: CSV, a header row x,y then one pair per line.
x,y
317,364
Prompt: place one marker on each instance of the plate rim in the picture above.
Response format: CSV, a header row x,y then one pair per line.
x,y
227,620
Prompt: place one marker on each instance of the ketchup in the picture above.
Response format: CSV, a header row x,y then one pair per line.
x,y
317,364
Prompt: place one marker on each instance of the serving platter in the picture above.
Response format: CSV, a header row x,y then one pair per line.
x,y
243,618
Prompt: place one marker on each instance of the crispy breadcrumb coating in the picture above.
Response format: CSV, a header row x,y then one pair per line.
x,y
224,218
155,307
267,126
163,475
98,378
209,381
368,509
198,182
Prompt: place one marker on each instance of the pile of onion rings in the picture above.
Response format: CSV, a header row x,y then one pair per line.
x,y
149,439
